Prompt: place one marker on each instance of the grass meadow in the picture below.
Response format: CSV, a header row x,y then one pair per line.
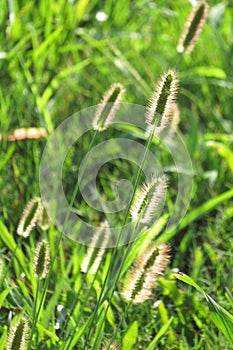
x,y
168,289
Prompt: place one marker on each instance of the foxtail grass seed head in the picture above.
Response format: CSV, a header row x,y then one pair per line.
x,y
113,346
174,122
141,280
42,260
159,109
43,220
96,250
30,133
193,27
29,218
148,198
106,110
18,336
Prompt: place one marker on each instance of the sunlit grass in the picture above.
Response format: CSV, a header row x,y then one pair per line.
x,y
56,58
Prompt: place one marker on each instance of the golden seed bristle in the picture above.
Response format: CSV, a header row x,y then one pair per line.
x,y
107,108
141,280
96,249
41,259
193,27
148,199
43,220
29,217
160,105
18,336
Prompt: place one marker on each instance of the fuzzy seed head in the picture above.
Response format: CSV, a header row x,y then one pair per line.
x,y
18,336
112,346
160,106
43,220
30,133
148,199
193,27
106,110
172,126
141,280
29,218
42,260
96,249
175,120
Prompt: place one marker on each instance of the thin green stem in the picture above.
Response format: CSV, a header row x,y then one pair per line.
x,y
119,325
10,263
70,313
139,173
150,140
179,59
82,307
46,284
34,312
74,194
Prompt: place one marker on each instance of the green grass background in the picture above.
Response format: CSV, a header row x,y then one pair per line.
x,y
56,58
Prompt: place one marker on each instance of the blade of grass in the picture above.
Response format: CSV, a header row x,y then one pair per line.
x,y
159,335
221,317
196,213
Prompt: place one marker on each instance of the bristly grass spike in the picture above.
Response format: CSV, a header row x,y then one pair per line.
x,y
18,336
43,220
141,280
41,259
96,249
161,103
107,108
193,27
29,217
148,198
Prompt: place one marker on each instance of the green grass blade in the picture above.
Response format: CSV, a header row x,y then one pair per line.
x,y
4,295
196,213
188,280
7,157
10,243
221,317
130,336
160,334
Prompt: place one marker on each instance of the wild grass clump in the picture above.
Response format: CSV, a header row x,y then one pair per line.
x,y
56,58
